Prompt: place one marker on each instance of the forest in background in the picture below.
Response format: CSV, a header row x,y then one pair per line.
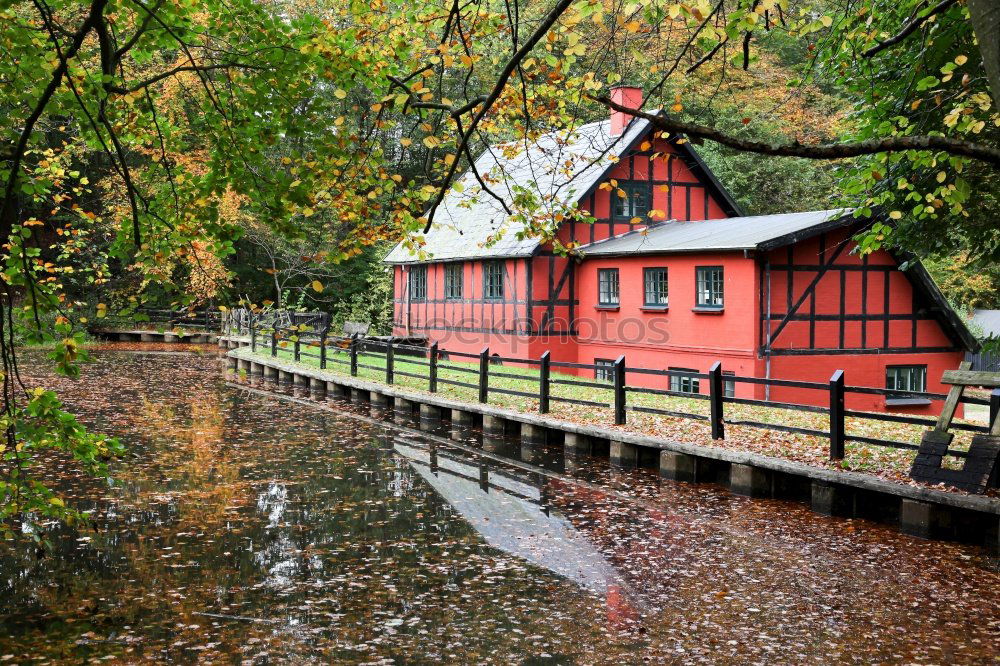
x,y
289,249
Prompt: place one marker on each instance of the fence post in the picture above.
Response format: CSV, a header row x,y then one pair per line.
x,y
620,390
274,340
432,375
716,395
484,374
390,358
253,336
994,406
322,350
354,355
543,384
837,415
298,348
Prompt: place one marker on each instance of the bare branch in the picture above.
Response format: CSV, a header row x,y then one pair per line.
x,y
817,151
909,28
494,95
177,70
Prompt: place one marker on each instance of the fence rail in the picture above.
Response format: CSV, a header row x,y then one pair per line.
x,y
204,319
306,340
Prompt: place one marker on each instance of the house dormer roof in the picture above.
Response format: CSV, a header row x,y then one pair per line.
x,y
557,169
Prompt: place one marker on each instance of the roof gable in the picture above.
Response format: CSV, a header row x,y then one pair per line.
x,y
559,169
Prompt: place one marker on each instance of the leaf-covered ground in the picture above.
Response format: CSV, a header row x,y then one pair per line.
x,y
886,462
244,527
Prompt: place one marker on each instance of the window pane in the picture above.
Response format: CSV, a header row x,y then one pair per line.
x,y
635,203
418,282
684,383
604,369
655,286
607,286
710,286
493,280
453,281
728,386
906,378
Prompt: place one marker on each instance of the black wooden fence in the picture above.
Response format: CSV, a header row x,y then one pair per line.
x,y
352,353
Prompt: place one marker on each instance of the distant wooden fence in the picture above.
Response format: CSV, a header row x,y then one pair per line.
x,y
352,352
203,319
241,322
985,361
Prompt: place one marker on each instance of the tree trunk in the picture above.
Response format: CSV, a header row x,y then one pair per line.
x,y
985,16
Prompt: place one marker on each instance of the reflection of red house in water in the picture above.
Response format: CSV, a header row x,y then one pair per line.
x,y
671,274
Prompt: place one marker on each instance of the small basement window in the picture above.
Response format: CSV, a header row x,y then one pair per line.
x,y
682,383
604,369
910,378
728,385
906,378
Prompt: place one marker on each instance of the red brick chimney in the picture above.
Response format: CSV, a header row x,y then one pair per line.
x,y
626,96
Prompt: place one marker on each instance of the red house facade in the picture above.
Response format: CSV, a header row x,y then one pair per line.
x,y
671,274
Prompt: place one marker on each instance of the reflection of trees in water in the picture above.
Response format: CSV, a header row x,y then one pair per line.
x,y
295,517
247,508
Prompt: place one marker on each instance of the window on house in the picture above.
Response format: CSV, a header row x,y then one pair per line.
x,y
709,286
682,383
607,286
493,280
604,369
418,283
654,286
453,281
728,385
635,203
906,378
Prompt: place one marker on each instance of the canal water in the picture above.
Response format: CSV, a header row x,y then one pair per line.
x,y
248,528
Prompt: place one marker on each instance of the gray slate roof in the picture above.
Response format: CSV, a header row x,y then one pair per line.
x,y
732,233
558,168
988,321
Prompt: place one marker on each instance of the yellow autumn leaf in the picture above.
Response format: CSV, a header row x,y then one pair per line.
x,y
317,286
896,215
961,60
339,93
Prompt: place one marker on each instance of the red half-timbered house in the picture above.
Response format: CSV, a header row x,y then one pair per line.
x,y
669,272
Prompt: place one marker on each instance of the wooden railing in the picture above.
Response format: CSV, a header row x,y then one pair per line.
x,y
352,353
203,319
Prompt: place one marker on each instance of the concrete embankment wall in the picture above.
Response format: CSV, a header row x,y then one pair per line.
x,y
917,510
